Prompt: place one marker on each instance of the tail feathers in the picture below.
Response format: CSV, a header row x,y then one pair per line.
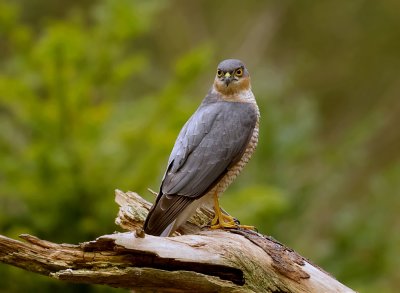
x,y
169,230
162,218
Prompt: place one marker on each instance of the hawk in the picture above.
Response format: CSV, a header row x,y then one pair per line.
x,y
211,149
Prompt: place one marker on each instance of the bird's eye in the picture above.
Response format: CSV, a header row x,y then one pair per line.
x,y
239,72
220,73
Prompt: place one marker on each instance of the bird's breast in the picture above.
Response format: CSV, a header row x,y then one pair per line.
x,y
235,170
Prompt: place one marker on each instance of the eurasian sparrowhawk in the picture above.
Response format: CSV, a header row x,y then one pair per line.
x,y
210,151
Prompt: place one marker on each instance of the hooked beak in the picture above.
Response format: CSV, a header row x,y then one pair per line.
x,y
227,79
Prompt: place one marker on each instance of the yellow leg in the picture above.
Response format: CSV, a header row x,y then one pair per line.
x,y
222,220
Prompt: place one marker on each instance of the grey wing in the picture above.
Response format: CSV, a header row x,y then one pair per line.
x,y
213,139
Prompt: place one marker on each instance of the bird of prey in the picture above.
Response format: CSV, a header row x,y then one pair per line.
x,y
211,149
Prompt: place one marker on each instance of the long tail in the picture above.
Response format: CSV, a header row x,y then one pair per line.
x,y
161,220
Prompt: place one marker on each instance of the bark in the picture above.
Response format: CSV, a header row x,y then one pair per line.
x,y
196,259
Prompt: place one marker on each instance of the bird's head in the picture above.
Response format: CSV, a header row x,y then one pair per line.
x,y
232,77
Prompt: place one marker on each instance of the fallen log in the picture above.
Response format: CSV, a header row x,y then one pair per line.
x,y
196,259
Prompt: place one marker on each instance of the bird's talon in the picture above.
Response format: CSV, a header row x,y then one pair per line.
x,y
224,225
246,227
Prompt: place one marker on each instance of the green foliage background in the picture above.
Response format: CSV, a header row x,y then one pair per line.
x,y
93,94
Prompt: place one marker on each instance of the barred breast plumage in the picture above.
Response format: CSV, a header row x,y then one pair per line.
x,y
235,170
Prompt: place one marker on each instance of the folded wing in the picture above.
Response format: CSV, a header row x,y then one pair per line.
x,y
211,141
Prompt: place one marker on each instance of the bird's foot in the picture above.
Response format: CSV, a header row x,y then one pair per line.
x,y
222,221
247,227
225,221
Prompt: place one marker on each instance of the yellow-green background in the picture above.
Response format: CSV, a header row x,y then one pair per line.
x,y
93,94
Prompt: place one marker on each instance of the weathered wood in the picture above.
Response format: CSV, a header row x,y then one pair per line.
x,y
208,261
